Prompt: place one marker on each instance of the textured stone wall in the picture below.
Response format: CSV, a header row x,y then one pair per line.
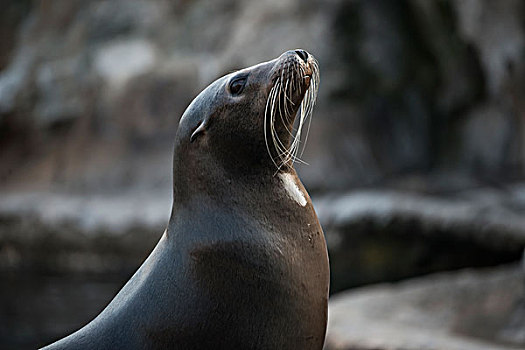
x,y
91,91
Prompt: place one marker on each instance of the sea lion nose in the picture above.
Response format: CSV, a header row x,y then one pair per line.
x,y
303,54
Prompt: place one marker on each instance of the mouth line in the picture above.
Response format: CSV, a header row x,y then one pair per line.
x,y
307,78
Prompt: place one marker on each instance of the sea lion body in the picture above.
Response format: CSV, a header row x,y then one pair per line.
x,y
243,263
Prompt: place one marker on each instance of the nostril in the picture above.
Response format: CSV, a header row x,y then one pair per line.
x,y
303,54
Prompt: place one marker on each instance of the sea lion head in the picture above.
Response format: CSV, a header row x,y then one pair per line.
x,y
249,121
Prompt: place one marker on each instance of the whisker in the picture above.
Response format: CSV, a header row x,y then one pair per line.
x,y
280,103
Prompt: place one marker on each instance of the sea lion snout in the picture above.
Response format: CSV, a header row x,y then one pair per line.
x,y
294,85
300,61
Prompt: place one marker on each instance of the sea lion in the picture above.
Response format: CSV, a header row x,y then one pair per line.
x,y
243,262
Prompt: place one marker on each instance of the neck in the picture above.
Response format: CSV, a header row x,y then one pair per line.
x,y
210,184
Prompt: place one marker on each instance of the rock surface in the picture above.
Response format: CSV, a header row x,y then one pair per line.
x,y
466,310
479,213
91,91
379,235
53,233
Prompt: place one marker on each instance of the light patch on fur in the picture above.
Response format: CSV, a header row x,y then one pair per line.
x,y
292,189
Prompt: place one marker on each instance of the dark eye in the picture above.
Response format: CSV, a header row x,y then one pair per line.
x,y
237,85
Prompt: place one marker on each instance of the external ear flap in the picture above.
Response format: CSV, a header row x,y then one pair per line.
x,y
200,129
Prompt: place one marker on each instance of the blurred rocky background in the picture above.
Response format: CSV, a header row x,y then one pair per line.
x,y
416,155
